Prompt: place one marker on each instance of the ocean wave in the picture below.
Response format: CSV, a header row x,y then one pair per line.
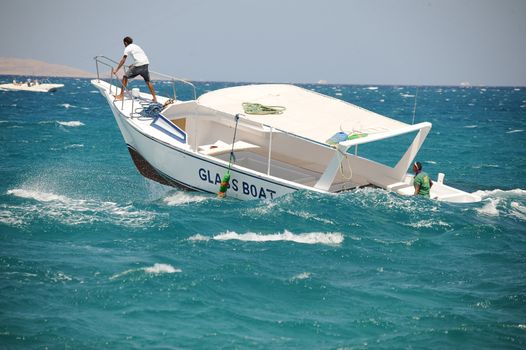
x,y
75,145
514,131
518,210
265,207
75,123
66,105
60,277
306,215
471,126
71,211
182,198
517,192
301,276
332,238
408,242
507,203
39,196
156,269
199,237
428,224
379,198
490,208
10,218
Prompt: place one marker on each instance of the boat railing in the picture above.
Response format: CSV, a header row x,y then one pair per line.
x,y
103,61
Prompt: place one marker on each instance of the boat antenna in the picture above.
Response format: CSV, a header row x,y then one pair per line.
x,y
225,181
414,106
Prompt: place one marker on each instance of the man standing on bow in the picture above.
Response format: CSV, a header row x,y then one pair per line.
x,y
138,67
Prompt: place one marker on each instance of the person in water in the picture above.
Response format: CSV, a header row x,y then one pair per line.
x,y
422,182
138,67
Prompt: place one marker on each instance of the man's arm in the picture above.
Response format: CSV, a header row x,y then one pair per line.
x,y
123,59
417,189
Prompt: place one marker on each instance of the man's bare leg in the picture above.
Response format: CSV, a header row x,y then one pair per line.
x,y
121,95
152,91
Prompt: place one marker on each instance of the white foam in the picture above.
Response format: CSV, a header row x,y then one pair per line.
x,y
518,210
161,268
301,276
78,211
66,105
471,126
181,198
500,202
501,193
333,238
407,95
156,269
372,88
39,196
9,218
490,208
338,94
428,224
75,123
264,208
307,215
514,131
430,162
61,277
199,237
408,242
75,145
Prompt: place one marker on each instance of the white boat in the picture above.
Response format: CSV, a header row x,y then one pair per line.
x,y
31,85
193,144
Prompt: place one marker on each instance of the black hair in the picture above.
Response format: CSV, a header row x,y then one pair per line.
x,y
127,40
418,165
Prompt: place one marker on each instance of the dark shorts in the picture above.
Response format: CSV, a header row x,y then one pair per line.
x,y
140,70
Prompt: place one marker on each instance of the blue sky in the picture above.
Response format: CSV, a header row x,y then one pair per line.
x,y
417,42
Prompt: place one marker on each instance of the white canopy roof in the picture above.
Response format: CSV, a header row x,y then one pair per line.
x,y
307,113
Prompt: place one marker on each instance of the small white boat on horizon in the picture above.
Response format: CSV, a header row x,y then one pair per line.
x,y
297,140
31,85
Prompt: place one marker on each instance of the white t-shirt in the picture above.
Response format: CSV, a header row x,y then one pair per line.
x,y
137,54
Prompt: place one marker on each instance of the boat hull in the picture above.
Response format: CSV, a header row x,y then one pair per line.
x,y
182,168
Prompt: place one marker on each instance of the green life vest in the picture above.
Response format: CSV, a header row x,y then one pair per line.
x,y
422,179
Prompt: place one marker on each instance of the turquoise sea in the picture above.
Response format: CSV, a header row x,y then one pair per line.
x,y
94,256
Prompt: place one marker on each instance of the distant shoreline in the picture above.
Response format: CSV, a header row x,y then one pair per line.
x,y
33,68
30,67
299,84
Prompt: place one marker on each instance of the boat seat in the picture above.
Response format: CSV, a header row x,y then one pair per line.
x,y
220,147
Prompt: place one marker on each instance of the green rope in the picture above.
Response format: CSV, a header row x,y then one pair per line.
x,y
257,108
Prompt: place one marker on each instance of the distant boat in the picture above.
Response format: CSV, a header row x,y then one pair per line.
x,y
31,85
270,139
